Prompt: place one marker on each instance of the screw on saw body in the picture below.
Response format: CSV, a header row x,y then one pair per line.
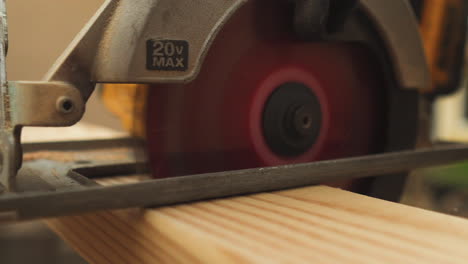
x,y
65,105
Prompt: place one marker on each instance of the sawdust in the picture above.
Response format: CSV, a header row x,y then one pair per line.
x,y
68,156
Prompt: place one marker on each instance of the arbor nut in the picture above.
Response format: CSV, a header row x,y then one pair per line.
x,y
65,105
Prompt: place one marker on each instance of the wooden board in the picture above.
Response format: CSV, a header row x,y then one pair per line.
x,y
308,225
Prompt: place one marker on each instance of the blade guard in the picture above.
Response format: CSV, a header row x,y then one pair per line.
x,y
160,41
143,41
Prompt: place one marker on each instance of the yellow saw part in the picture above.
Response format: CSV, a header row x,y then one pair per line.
x,y
443,26
128,103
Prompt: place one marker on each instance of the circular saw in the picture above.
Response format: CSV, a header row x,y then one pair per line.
x,y
227,97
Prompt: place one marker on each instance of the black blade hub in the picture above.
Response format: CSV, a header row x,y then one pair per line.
x,y
292,119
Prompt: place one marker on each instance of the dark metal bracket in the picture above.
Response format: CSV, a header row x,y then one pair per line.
x,y
51,188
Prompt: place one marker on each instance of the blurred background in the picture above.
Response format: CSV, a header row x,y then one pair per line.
x,y
40,30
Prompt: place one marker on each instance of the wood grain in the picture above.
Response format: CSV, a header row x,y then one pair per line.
x,y
308,225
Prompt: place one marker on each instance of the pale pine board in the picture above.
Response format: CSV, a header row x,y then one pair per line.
x,y
308,225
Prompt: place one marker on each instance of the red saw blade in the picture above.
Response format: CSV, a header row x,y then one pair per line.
x,y
219,121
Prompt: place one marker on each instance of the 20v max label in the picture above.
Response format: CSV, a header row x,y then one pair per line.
x,y
167,55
